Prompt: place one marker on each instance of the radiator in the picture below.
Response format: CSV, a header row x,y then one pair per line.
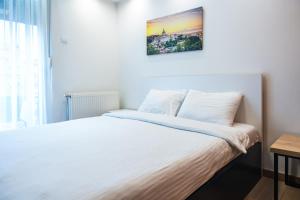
x,y
90,104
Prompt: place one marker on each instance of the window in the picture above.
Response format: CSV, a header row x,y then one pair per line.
x,y
23,64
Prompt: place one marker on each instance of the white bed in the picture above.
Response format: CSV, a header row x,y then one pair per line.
x,y
128,154
125,155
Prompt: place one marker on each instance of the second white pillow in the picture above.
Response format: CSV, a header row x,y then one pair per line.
x,y
217,108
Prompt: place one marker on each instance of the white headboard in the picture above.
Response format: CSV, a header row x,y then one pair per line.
x,y
250,85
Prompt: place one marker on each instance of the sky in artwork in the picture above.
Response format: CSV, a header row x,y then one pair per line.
x,y
188,21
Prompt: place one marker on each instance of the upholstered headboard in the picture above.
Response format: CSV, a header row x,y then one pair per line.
x,y
250,85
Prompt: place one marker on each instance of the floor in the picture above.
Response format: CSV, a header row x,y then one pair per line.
x,y
264,191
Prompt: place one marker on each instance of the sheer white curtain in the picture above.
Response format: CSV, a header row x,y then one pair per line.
x,y
25,81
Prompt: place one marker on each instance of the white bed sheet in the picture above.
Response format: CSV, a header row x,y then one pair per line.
x,y
109,158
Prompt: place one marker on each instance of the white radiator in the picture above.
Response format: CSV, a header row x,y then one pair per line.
x,y
90,104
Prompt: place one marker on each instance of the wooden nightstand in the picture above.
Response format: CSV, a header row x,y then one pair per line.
x,y
289,147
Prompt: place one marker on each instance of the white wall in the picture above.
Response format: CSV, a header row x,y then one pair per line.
x,y
86,60
241,36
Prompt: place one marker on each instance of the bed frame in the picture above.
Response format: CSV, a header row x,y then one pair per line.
x,y
250,85
235,180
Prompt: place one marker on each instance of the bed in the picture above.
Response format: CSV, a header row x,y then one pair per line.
x,y
132,155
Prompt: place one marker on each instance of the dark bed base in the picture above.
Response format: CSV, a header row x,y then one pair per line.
x,y
235,180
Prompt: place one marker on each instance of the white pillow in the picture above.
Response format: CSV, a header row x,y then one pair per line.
x,y
217,108
165,102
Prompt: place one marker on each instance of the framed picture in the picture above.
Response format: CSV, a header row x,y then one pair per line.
x,y
179,32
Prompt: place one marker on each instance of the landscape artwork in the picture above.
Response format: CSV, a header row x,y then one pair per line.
x,y
176,33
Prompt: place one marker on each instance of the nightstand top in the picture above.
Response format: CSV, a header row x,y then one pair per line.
x,y
287,145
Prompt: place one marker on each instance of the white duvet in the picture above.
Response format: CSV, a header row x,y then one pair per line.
x,y
123,155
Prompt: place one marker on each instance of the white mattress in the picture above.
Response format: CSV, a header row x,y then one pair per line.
x,y
113,158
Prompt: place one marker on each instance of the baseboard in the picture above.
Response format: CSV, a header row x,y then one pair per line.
x,y
270,174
